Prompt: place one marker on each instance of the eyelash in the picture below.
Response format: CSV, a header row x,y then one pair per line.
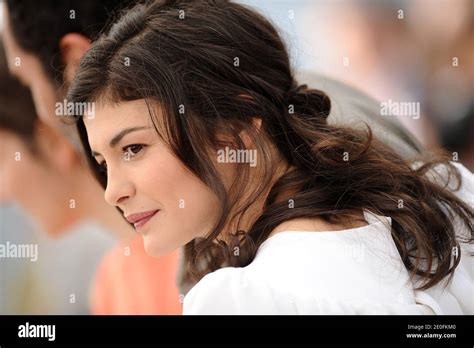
x,y
125,149
103,164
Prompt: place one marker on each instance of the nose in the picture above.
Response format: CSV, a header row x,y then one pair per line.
x,y
119,187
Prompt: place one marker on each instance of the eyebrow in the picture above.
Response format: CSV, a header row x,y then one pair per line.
x,y
116,139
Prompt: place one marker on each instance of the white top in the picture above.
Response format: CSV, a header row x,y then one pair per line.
x,y
353,271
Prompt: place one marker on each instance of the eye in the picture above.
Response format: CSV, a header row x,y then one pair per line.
x,y
132,150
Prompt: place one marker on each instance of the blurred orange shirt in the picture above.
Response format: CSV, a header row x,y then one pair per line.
x,y
129,281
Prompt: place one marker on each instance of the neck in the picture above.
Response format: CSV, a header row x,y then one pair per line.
x,y
256,209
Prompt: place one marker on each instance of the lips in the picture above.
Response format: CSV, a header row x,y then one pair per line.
x,y
140,219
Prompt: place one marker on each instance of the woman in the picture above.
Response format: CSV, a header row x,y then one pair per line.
x,y
203,138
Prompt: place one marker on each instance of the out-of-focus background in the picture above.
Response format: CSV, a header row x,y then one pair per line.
x,y
399,52
405,51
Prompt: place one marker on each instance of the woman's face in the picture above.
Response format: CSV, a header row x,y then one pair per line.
x,y
143,176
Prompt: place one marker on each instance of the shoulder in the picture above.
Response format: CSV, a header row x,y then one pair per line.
x,y
225,291
211,294
291,275
233,290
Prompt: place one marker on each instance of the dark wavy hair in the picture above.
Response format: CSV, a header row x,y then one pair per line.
x,y
227,65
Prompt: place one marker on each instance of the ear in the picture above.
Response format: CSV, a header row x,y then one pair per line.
x,y
73,46
55,148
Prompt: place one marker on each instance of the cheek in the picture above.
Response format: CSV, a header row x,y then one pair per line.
x,y
187,202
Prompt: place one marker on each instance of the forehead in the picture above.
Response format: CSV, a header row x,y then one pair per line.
x,y
114,113
109,118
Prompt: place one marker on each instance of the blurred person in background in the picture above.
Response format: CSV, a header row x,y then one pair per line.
x,y
39,173
16,273
414,51
44,41
444,34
